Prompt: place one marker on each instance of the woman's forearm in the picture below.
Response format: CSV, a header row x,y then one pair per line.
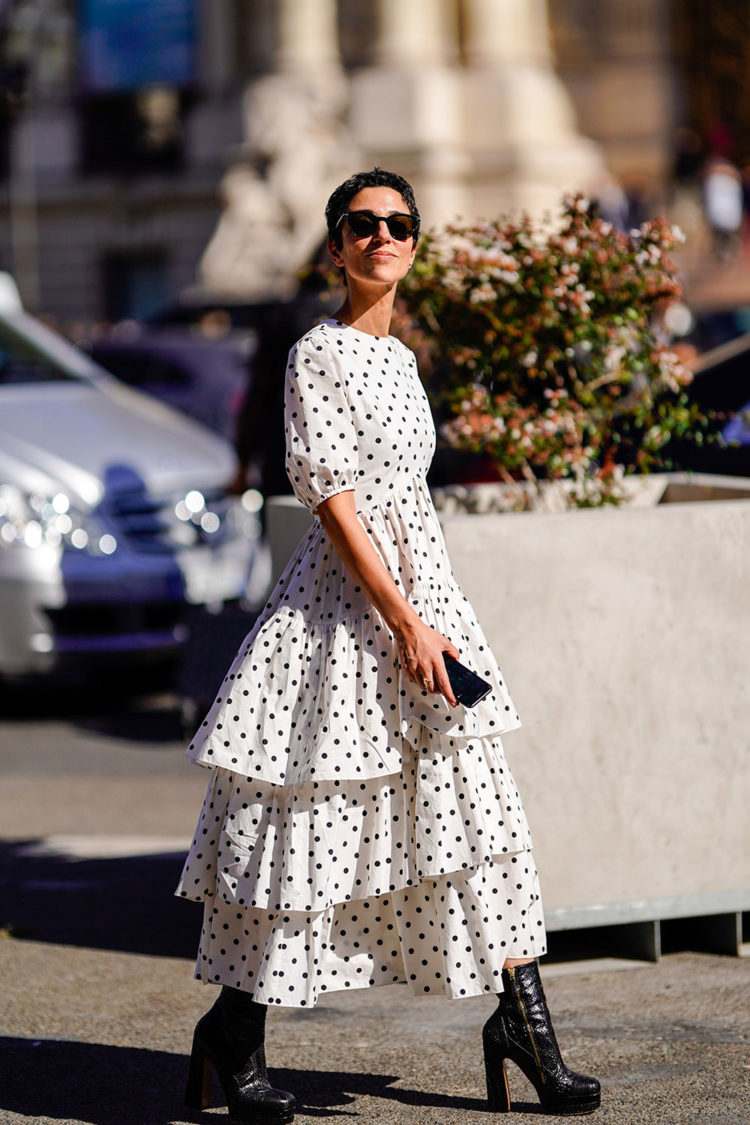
x,y
363,562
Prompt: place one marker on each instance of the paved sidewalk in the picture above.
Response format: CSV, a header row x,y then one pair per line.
x,y
101,1037
98,1003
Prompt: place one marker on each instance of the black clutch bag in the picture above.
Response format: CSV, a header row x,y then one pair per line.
x,y
466,685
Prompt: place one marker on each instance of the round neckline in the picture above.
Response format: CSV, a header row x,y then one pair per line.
x,y
360,332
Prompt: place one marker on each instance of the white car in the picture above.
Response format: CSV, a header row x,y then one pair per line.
x,y
114,516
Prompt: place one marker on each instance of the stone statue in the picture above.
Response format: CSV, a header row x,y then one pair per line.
x,y
297,149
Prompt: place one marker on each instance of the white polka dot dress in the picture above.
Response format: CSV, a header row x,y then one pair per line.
x,y
356,829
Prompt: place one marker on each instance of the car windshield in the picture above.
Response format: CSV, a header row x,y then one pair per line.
x,y
21,362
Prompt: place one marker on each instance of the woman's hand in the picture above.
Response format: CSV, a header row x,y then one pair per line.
x,y
421,650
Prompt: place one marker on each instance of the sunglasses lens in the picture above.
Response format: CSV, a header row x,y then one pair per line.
x,y
400,229
361,223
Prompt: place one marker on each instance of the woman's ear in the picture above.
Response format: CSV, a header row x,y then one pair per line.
x,y
335,253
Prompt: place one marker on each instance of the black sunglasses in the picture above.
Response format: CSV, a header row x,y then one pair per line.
x,y
364,223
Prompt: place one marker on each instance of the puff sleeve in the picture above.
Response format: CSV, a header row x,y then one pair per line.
x,y
321,439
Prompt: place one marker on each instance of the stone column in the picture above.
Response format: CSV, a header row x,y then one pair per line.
x,y
519,124
504,31
307,36
405,107
414,34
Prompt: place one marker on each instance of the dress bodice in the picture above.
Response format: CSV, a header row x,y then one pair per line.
x,y
356,416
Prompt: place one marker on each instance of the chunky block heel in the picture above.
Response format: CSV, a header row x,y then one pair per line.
x,y
498,1091
198,1087
520,1029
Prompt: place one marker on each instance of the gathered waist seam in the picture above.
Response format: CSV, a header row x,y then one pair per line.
x,y
409,486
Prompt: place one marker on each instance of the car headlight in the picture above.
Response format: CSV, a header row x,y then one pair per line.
x,y
30,519
207,519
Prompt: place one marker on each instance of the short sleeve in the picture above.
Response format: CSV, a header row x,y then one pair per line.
x,y
321,437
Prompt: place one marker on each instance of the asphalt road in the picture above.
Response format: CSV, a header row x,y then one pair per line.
x,y
97,805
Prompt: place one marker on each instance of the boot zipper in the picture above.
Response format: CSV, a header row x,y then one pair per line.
x,y
522,1006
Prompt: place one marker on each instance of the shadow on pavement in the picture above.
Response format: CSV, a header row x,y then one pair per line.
x,y
91,1082
107,1085
125,904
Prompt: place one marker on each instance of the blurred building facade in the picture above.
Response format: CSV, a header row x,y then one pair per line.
x,y
146,148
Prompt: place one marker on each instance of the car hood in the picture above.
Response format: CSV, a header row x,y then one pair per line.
x,y
68,434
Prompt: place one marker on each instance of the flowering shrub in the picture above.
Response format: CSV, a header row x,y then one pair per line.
x,y
548,348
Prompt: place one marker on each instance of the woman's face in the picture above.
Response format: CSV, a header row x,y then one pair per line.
x,y
377,260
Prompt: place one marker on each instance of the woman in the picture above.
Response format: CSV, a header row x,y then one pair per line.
x,y
361,827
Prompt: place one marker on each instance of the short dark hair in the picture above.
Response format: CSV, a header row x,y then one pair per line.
x,y
339,200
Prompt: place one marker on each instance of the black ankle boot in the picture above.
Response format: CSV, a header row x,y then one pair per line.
x,y
520,1029
231,1038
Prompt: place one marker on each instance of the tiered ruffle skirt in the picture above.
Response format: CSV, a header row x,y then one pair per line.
x,y
425,877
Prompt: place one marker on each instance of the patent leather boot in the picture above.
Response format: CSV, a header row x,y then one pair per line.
x,y
230,1037
520,1029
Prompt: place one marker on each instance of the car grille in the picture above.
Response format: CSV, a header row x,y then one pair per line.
x,y
149,524
142,520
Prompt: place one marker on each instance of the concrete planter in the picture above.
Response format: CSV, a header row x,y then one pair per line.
x,y
623,634
624,638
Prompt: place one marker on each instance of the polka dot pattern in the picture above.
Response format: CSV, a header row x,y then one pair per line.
x,y
356,829
317,888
